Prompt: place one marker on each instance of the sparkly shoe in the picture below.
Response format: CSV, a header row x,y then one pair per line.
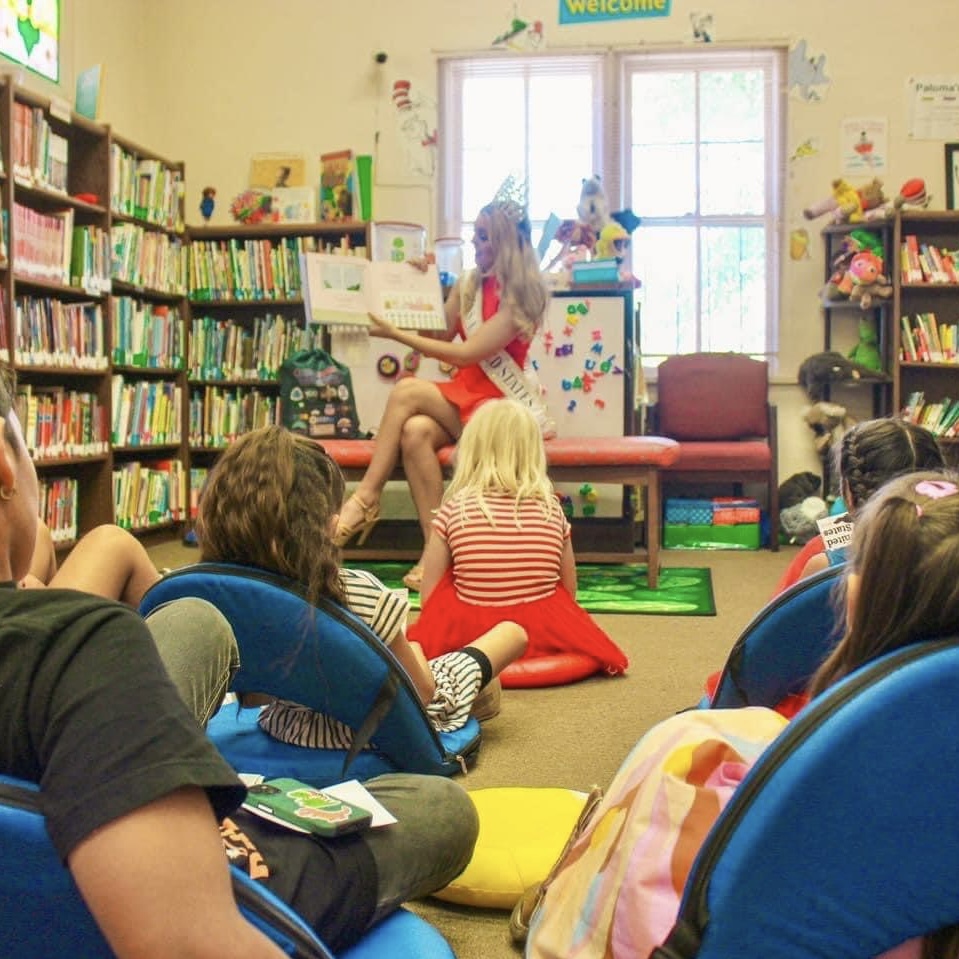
x,y
363,527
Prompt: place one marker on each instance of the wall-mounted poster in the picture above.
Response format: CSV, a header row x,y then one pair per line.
x,y
269,170
30,34
864,146
933,107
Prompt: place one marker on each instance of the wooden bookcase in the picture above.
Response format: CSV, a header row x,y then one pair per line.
x,y
62,201
246,315
936,378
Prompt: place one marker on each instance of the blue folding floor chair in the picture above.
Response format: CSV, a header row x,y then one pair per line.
x,y
42,913
322,657
779,650
842,840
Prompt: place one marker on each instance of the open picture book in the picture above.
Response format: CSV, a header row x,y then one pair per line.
x,y
340,290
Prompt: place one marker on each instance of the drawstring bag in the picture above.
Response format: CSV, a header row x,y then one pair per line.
x,y
316,396
614,893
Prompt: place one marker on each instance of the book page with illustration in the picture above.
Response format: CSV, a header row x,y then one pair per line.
x,y
345,289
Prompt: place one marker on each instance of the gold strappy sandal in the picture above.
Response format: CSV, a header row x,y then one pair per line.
x,y
363,527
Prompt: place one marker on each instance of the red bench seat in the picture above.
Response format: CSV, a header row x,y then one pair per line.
x,y
627,460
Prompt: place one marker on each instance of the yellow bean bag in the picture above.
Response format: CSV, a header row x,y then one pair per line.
x,y
522,831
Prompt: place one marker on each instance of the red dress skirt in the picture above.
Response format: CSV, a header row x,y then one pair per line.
x,y
555,624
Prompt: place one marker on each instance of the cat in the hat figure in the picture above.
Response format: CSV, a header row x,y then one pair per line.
x,y
416,118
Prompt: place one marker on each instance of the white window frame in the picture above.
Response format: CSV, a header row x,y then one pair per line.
x,y
612,136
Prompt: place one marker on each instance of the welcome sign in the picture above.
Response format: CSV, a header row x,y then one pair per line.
x,y
594,11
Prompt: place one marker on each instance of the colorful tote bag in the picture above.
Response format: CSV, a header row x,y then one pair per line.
x,y
617,893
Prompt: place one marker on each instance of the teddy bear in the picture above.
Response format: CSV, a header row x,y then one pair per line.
x,y
593,208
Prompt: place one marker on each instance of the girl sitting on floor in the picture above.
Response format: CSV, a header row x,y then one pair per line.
x,y
272,501
501,548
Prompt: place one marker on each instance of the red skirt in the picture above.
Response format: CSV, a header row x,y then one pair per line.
x,y
555,624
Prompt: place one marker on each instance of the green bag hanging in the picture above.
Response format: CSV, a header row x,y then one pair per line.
x,y
316,396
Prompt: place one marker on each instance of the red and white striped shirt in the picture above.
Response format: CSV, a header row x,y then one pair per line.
x,y
515,560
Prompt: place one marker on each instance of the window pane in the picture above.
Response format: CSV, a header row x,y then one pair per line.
x,y
734,289
731,106
663,159
664,107
664,258
732,179
494,137
664,180
560,143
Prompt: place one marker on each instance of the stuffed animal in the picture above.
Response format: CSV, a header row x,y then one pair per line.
x,y
866,351
820,370
845,204
612,242
592,209
912,194
795,489
828,422
867,279
799,522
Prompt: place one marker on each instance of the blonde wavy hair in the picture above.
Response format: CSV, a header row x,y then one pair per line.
x,y
501,452
269,502
515,266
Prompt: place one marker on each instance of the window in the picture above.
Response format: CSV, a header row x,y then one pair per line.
x,y
691,142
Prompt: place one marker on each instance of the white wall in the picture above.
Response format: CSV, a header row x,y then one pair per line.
x,y
213,82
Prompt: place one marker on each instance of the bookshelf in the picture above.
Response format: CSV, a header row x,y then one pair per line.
x,y
80,322
246,315
926,312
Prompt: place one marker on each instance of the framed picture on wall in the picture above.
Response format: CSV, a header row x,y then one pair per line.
x,y
952,176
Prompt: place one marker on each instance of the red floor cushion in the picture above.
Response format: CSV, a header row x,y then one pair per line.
x,y
557,669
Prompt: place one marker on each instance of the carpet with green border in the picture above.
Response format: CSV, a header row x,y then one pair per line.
x,y
609,588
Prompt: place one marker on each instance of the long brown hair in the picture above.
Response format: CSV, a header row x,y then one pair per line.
x,y
905,551
269,502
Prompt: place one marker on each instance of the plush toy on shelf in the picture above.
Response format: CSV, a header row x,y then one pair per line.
x,y
593,209
845,204
866,351
867,279
828,422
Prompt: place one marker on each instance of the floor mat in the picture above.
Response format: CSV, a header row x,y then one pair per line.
x,y
609,588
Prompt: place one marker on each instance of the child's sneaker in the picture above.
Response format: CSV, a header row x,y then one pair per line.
x,y
487,702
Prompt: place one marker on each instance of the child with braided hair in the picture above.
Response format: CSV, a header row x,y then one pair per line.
x,y
869,454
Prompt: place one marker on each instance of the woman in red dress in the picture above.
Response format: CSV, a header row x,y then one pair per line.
x,y
495,311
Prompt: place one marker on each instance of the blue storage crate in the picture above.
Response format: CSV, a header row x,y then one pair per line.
x,y
689,512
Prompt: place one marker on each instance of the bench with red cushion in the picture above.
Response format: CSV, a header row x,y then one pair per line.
x,y
626,460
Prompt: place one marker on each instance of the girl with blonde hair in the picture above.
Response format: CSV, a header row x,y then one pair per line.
x,y
495,311
501,548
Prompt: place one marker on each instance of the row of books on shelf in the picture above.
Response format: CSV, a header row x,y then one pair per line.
x,y
40,156
941,417
925,340
50,332
149,335
225,350
218,416
58,423
251,269
58,502
147,259
926,262
146,189
149,494
145,412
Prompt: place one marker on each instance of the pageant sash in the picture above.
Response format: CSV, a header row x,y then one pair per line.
x,y
506,374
